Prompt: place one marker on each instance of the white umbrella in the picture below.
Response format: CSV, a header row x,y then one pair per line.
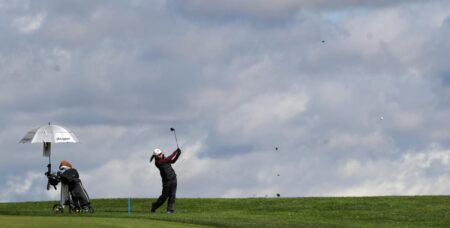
x,y
49,134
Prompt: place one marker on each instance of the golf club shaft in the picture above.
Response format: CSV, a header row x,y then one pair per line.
x,y
175,134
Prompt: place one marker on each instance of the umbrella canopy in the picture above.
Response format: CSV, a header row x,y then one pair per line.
x,y
51,134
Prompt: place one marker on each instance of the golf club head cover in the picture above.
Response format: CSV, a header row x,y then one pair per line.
x,y
52,180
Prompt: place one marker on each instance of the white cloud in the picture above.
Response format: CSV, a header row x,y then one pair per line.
x,y
131,177
263,113
415,173
20,185
29,23
29,186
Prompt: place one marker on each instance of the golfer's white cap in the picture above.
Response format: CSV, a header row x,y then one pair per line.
x,y
157,152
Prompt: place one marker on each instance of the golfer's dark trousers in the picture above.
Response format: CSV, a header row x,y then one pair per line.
x,y
169,191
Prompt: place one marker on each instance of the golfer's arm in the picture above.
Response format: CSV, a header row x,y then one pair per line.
x,y
167,160
176,156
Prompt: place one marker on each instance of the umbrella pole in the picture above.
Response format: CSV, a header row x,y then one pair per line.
x,y
47,153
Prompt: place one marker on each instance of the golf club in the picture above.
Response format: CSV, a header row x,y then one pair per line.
x,y
175,134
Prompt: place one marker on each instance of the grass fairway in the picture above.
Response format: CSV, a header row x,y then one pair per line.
x,y
77,222
404,211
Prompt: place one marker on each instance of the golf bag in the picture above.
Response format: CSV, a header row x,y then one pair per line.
x,y
73,193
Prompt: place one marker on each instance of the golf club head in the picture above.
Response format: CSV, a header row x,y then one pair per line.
x,y
172,129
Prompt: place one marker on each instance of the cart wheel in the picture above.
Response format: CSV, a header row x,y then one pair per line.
x,y
72,209
58,209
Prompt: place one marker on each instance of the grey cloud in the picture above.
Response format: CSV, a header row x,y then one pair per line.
x,y
267,10
119,75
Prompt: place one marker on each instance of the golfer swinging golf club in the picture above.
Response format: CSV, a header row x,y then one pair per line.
x,y
169,179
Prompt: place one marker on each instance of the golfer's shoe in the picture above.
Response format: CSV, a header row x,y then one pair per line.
x,y
170,212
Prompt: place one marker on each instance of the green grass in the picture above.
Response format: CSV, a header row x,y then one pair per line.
x,y
76,222
394,211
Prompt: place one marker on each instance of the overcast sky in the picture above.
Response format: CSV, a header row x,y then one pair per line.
x,y
354,94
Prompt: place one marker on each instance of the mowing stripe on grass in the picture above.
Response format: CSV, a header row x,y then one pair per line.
x,y
77,222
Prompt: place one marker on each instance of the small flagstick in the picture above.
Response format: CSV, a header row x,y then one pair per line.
x,y
129,206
